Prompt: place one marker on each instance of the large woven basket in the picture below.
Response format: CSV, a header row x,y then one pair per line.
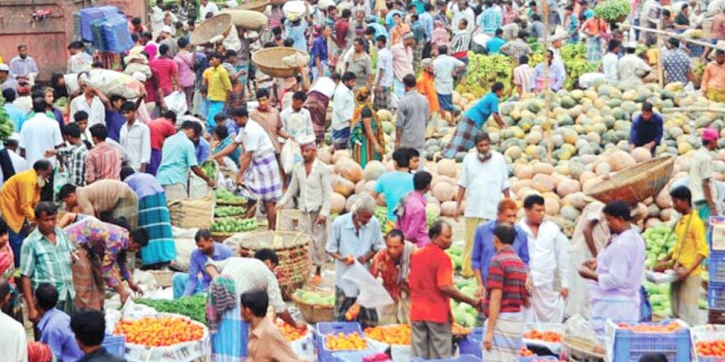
x,y
255,5
292,248
247,19
636,183
210,28
582,349
314,313
270,62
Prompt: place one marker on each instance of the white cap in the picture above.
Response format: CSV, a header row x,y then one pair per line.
x,y
630,44
4,68
14,137
166,29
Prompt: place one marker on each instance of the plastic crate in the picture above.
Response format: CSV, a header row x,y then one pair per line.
x,y
115,344
324,328
716,267
460,358
716,296
537,358
115,33
88,15
472,343
629,346
352,356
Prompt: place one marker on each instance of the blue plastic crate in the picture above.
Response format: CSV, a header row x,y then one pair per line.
x,y
472,344
324,328
115,33
88,15
460,358
716,296
630,346
716,267
352,356
537,358
115,344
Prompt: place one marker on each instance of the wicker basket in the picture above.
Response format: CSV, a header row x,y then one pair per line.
x,y
582,349
163,277
292,248
258,5
314,313
636,183
210,28
221,237
269,61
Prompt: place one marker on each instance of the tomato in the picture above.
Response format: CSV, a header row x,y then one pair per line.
x,y
159,332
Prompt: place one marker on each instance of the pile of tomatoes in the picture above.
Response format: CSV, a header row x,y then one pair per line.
x,y
459,330
290,333
651,328
392,334
711,349
345,342
159,332
546,336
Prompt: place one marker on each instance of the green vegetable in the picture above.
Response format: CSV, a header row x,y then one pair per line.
x,y
7,127
229,226
228,197
209,168
192,307
227,211
612,11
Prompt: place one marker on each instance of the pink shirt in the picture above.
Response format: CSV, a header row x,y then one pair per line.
x,y
164,70
402,61
184,61
414,222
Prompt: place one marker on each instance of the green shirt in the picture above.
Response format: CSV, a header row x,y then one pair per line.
x,y
43,262
178,155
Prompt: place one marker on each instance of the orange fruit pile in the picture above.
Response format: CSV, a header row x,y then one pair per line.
x,y
290,333
458,329
543,336
644,328
392,334
345,342
525,352
711,349
159,332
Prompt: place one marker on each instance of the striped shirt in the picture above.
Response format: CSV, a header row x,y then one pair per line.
x,y
460,44
508,273
44,262
523,75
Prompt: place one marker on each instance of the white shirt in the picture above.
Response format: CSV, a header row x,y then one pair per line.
x,y
297,124
484,183
385,67
251,274
443,67
610,66
467,14
210,7
343,107
79,62
548,253
137,143
40,134
254,138
631,68
700,170
313,191
96,111
19,165
13,342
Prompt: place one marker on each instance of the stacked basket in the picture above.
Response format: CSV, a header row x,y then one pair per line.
x,y
716,267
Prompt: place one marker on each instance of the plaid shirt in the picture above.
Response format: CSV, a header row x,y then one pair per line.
x,y
491,20
516,48
74,159
44,262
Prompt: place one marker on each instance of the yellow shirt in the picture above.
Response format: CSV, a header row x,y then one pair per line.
x,y
18,198
218,83
690,241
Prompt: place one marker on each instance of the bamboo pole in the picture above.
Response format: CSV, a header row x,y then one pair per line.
x,y
693,109
660,71
547,96
671,35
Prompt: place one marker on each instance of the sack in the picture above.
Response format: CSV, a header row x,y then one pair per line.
x,y
188,213
290,156
176,102
185,245
372,293
112,83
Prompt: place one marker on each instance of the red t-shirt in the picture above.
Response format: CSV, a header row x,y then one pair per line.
x,y
159,130
430,268
342,26
508,273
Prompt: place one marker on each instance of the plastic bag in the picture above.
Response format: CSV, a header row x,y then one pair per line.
x,y
176,102
372,294
290,156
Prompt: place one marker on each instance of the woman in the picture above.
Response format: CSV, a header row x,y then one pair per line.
x,y
7,271
366,136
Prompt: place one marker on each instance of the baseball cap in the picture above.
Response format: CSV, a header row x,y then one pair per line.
x,y
710,134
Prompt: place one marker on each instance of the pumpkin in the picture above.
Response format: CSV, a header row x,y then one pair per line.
x,y
342,186
551,206
543,168
339,155
337,203
443,191
543,183
577,200
373,170
641,154
433,209
324,155
620,160
567,187
350,203
448,208
524,171
360,187
447,167
349,169
570,212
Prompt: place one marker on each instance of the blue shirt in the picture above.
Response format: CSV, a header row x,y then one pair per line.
x,y
114,122
427,21
394,185
643,132
177,157
319,50
483,109
231,127
143,184
203,150
484,251
419,6
297,33
494,45
196,266
55,332
379,30
16,115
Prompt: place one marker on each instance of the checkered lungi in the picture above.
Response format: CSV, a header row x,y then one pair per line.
x,y
153,215
88,280
367,317
230,336
462,140
382,98
263,177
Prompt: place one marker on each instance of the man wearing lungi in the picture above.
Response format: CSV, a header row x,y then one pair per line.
x,y
258,168
312,186
317,101
153,216
343,108
104,199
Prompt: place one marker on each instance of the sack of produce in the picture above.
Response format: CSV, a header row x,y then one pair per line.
x,y
296,60
190,213
112,83
185,245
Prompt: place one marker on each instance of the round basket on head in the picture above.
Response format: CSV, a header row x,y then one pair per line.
x,y
270,61
254,5
636,183
210,28
314,313
247,19
292,248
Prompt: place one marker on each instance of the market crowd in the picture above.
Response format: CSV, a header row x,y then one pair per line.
x,y
115,164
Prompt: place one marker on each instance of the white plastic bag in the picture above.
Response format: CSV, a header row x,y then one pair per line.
x,y
290,156
176,102
372,294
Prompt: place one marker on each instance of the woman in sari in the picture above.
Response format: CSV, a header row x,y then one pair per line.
x,y
366,136
7,272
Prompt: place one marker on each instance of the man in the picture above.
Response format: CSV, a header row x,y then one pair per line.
x,y
505,298
412,218
46,258
425,84
295,28
523,76
259,171
103,161
631,67
549,252
431,288
355,237
517,47
557,74
319,53
469,126
39,134
207,7
312,186
18,198
402,63
135,138
491,19
484,248
343,108
686,258
494,45
713,80
159,130
682,20
342,28
154,217
114,120
6,81
484,178
168,39
444,68
89,102
266,342
13,340
177,157
296,120
461,42
73,157
392,265
399,30
54,325
89,327
610,61
23,65
215,80
395,184
268,117
17,115
463,12
79,60
411,118
166,73
197,279
360,63
617,272
105,200
186,63
647,129
384,77
10,162
511,30
676,64
537,27
702,182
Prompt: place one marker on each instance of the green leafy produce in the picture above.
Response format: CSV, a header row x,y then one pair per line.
x,y
612,11
224,195
485,70
230,226
228,211
660,242
61,102
209,168
430,217
192,307
315,298
381,213
575,60
7,127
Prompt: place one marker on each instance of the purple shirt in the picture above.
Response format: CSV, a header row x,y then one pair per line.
x,y
620,267
196,266
484,251
55,331
184,61
114,122
414,222
143,185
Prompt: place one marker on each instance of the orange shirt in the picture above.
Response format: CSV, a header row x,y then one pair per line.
x,y
18,198
430,268
426,87
396,35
